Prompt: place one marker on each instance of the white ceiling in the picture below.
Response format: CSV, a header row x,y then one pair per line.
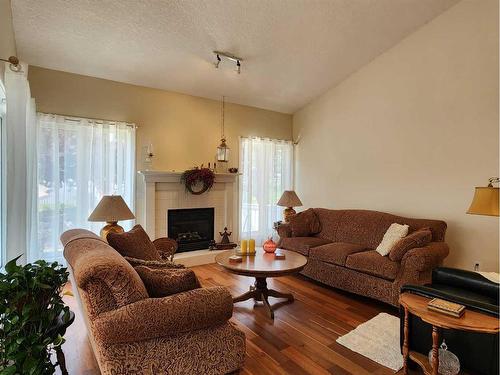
x,y
293,50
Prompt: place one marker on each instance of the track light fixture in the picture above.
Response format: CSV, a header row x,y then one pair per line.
x,y
219,55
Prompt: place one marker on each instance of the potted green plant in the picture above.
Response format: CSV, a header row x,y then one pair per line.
x,y
33,316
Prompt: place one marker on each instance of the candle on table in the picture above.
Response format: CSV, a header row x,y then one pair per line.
x,y
251,246
244,246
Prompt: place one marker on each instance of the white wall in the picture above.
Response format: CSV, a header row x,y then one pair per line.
x,y
413,132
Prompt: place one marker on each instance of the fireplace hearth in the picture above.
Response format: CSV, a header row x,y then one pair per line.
x,y
192,228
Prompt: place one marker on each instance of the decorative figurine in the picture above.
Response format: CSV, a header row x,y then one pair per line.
x,y
212,245
225,236
225,243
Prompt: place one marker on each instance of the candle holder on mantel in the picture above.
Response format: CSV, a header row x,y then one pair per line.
x,y
148,157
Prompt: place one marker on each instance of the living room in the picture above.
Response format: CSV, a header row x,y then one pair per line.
x,y
249,187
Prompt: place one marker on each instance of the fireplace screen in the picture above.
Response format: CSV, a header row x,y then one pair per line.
x,y
192,228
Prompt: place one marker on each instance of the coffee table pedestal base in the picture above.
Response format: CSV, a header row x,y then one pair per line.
x,y
260,292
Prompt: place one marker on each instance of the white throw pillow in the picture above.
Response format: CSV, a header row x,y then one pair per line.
x,y
393,235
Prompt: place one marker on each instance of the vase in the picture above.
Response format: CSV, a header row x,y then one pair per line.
x,y
269,245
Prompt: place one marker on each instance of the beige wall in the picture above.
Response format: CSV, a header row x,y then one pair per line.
x,y
7,42
184,130
413,131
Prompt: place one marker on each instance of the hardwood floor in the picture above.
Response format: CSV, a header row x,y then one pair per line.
x,y
301,340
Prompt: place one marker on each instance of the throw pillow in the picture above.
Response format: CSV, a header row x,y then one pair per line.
x,y
162,282
419,238
134,243
153,263
305,224
393,235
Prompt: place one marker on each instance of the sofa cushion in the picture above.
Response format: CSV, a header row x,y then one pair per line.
x,y
360,227
372,263
134,243
419,238
301,244
162,282
395,233
329,220
305,224
335,252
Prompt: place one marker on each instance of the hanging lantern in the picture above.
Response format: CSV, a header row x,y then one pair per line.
x,y
223,149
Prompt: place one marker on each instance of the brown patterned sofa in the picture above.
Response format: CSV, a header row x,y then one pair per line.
x,y
342,253
131,333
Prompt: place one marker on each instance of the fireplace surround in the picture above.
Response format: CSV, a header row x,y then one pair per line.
x,y
161,191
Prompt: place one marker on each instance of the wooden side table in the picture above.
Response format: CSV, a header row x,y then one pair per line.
x,y
471,321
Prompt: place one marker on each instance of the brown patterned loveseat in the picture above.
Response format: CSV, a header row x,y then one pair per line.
x,y
185,333
341,254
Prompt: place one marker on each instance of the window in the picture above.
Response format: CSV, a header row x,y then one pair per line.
x,y
79,161
266,167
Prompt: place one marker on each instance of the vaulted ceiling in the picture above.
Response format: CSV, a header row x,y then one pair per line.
x,y
293,50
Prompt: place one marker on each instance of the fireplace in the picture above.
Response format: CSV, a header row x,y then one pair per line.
x,y
192,228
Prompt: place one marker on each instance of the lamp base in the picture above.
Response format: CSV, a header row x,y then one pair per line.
x,y
111,227
288,213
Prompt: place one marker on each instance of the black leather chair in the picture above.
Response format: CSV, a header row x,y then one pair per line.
x,y
477,352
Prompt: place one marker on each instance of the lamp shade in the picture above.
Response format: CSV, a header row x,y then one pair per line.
x,y
111,208
289,199
485,202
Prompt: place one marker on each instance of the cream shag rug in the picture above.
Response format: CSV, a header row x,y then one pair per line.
x,y
377,339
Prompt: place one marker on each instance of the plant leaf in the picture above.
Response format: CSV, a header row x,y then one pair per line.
x,y
11,370
11,266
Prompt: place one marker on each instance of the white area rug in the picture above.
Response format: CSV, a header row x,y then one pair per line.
x,y
377,339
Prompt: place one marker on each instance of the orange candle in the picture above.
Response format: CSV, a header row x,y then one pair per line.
x,y
244,244
251,246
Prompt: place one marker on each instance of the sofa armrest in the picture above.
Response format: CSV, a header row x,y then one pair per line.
x,y
426,258
162,317
465,279
284,230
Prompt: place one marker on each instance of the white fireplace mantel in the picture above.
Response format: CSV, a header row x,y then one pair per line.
x,y
159,191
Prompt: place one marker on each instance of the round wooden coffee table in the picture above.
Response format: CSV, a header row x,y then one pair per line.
x,y
261,266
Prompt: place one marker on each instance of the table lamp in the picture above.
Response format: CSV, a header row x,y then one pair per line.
x,y
289,199
110,209
485,201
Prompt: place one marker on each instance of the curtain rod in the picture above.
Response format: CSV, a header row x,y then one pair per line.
x,y
96,120
272,139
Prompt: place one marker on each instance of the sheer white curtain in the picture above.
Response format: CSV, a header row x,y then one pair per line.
x,y
19,174
79,161
267,170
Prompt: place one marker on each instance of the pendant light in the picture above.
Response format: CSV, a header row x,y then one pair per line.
x,y
222,150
